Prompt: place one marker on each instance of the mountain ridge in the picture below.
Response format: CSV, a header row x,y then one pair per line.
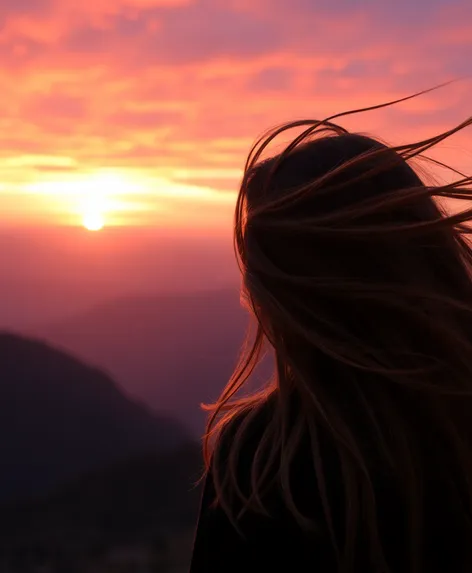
x,y
173,352
60,417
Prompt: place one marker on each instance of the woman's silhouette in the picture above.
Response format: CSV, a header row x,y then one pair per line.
x,y
358,455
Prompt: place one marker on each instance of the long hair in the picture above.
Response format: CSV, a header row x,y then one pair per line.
x,y
361,284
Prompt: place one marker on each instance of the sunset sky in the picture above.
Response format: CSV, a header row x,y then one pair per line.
x,y
142,111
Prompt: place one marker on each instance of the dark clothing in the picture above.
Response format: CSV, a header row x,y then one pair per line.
x,y
268,545
278,544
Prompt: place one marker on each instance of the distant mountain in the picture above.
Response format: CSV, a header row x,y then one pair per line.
x,y
146,502
60,418
65,270
174,352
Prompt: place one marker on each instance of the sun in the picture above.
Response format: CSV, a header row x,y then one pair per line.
x,y
93,221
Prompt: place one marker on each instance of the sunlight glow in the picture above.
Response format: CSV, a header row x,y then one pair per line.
x,y
93,198
93,221
117,198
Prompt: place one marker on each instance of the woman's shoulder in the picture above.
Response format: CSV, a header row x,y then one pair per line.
x,y
252,437
234,535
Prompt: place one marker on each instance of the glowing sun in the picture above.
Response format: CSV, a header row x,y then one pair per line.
x,y
93,221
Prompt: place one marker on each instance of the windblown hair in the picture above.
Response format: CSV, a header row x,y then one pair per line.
x,y
361,284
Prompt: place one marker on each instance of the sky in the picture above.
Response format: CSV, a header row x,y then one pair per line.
x,y
141,112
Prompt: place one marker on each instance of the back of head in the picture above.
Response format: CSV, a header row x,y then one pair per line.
x,y
361,284
338,231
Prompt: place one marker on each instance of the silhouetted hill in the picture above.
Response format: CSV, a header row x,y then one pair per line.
x,y
146,502
60,418
172,351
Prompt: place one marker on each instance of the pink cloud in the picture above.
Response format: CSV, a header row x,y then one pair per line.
x,y
55,106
